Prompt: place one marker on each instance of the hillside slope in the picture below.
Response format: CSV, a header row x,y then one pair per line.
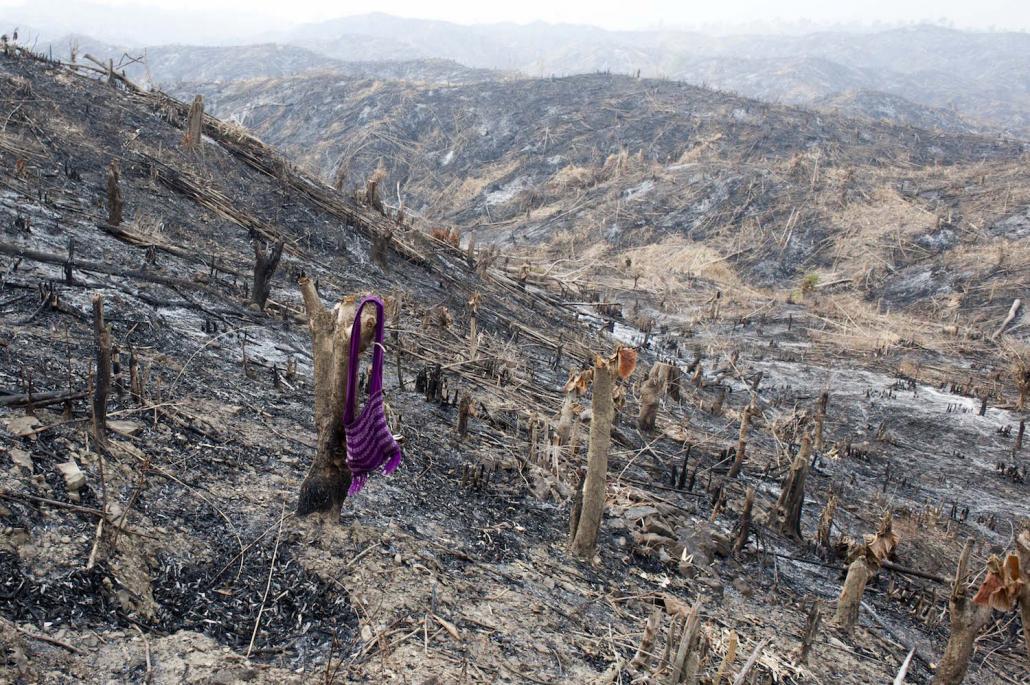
x,y
610,163
167,66
170,553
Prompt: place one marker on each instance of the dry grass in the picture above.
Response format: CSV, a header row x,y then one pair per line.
x,y
868,232
858,326
677,255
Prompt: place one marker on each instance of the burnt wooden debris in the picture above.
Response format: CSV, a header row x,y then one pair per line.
x,y
174,322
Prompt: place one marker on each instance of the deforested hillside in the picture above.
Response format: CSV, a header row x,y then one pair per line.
x,y
168,66
608,475
878,106
599,166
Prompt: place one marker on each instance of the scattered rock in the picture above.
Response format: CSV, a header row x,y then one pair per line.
x,y
74,478
22,426
741,586
637,513
126,428
21,459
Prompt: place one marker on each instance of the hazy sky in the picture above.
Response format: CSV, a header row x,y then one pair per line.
x,y
999,14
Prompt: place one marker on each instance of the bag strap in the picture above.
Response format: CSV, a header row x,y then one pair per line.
x,y
376,384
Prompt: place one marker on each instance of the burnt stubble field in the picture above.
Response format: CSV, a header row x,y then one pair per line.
x,y
815,378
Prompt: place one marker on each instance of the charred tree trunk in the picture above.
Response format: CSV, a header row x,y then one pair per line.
x,y
811,630
102,381
850,601
684,665
738,460
792,495
381,247
584,541
464,410
825,531
265,264
642,658
1023,600
967,619
566,418
194,124
744,527
651,393
325,486
114,195
675,383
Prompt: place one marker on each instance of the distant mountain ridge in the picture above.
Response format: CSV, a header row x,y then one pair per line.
x,y
978,80
982,76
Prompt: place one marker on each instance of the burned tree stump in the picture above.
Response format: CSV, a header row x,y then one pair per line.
x,y
850,600
325,486
685,664
265,264
102,379
114,195
381,242
825,531
867,560
194,124
464,411
588,522
642,658
792,494
744,526
815,614
967,618
1023,600
594,484
369,195
651,393
567,418
738,459
727,659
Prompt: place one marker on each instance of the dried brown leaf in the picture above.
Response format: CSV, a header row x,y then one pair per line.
x,y
1002,585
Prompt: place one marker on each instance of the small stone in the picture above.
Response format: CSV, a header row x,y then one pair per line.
x,y
714,583
222,677
127,428
637,513
19,537
22,426
21,459
397,559
66,539
74,478
113,511
741,586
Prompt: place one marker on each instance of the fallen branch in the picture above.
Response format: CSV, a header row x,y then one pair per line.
x,y
40,399
42,638
268,584
1013,310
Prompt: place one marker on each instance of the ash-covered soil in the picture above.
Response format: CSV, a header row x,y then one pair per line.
x,y
456,568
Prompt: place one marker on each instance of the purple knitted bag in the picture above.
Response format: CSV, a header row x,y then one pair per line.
x,y
370,443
